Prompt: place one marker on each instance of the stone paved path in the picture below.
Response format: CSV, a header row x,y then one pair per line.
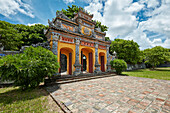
x,y
115,94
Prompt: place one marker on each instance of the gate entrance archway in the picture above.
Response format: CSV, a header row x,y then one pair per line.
x,y
87,62
66,63
102,61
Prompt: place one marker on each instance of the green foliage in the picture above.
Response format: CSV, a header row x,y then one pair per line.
x,y
107,39
14,36
74,9
29,68
103,27
70,11
157,73
157,55
127,50
119,65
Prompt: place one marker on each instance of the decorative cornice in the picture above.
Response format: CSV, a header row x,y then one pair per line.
x,y
66,20
77,34
104,33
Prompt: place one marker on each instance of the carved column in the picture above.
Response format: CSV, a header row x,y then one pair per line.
x,y
77,64
108,60
55,38
54,49
97,65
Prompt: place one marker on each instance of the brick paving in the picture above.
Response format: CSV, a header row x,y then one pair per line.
x,y
115,94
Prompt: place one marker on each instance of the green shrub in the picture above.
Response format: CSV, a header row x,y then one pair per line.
x,y
119,65
30,68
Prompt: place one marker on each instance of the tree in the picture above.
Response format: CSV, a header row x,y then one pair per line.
x,y
14,36
127,50
70,11
156,55
29,68
107,39
103,27
119,65
74,9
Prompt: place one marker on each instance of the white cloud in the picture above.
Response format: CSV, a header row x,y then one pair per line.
x,y
135,7
29,24
160,20
95,9
68,1
12,7
119,16
114,16
167,43
152,3
140,37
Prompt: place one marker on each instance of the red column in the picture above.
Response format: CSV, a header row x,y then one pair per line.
x,y
90,63
70,63
82,60
102,64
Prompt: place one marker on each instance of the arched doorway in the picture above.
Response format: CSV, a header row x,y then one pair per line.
x,y
102,61
87,60
66,62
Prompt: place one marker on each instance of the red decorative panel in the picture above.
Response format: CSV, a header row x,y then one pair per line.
x,y
102,47
100,37
67,39
87,44
68,27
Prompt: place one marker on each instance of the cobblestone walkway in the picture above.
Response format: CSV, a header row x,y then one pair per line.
x,y
116,94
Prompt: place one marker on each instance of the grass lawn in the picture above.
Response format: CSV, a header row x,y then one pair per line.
x,y
158,73
37,100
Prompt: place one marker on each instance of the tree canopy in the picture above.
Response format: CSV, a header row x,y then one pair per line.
x,y
74,9
157,55
13,36
107,39
127,50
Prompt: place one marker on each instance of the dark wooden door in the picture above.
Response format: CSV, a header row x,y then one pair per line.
x,y
70,63
82,60
90,63
63,63
102,64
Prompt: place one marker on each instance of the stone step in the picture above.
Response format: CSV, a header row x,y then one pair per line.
x,y
81,78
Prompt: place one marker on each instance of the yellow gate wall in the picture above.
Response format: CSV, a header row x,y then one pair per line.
x,y
86,50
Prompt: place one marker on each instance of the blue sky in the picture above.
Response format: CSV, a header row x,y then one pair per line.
x,y
144,21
